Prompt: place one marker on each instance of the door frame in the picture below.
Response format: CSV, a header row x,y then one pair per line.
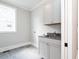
x,y
78,31
62,28
68,12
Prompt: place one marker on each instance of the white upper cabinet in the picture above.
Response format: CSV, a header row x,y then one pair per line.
x,y
52,12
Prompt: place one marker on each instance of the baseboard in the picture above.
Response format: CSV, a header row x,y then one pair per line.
x,y
14,46
34,45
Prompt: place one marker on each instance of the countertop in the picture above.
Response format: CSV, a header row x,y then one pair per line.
x,y
50,41
53,38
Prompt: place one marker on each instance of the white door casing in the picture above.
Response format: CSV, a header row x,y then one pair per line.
x,y
65,30
69,28
78,30
62,28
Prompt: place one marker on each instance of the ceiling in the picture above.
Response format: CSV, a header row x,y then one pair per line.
x,y
25,4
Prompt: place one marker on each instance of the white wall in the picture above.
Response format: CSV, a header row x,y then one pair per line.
x,y
38,27
22,35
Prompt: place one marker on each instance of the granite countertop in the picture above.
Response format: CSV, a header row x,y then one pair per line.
x,y
55,38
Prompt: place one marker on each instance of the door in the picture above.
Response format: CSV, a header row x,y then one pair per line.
x,y
69,19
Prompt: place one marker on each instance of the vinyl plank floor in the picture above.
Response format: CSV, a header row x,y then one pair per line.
x,y
21,53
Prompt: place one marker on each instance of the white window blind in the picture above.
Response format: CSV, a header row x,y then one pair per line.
x,y
7,18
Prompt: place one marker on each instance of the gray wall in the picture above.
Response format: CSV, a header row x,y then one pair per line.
x,y
22,35
38,27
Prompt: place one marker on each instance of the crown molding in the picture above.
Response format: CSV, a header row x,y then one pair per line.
x,y
25,8
8,4
39,4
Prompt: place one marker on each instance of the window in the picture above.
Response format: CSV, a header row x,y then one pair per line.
x,y
7,18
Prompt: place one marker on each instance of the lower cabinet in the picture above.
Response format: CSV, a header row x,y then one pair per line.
x,y
44,50
49,51
55,52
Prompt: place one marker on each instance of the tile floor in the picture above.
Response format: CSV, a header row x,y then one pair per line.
x,y
21,53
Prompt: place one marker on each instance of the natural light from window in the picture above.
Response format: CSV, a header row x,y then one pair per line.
x,y
7,18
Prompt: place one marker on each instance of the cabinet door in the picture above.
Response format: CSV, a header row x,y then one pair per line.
x,y
55,52
44,50
52,11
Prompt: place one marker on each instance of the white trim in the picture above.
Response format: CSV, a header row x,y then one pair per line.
x,y
14,46
66,28
78,30
62,28
69,28
35,45
39,4
13,6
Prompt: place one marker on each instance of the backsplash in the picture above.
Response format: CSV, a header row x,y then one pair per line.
x,y
49,29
